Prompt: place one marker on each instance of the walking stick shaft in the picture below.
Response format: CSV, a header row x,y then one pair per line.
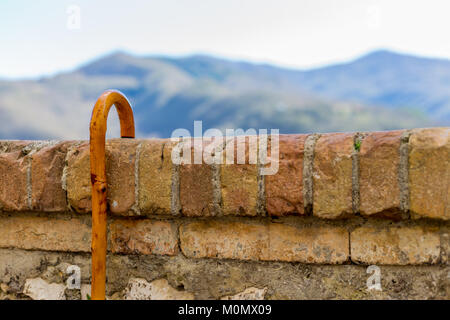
x,y
98,128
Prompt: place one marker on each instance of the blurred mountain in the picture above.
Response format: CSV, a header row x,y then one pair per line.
x,y
387,79
380,91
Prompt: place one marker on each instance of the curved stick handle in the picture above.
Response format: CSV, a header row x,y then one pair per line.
x,y
98,179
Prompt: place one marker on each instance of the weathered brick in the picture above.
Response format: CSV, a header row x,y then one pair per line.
x,y
46,178
196,187
325,245
264,241
379,160
284,190
395,245
155,176
429,173
42,233
226,240
332,176
196,190
7,146
239,183
120,175
445,246
143,237
14,167
78,181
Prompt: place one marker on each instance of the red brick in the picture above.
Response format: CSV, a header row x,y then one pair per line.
x,y
46,178
284,190
332,176
155,176
429,173
14,166
239,185
196,187
196,190
120,174
78,181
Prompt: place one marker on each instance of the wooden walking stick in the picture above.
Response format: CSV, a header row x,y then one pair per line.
x,y
98,179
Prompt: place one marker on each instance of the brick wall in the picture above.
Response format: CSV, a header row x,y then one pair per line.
x,y
339,203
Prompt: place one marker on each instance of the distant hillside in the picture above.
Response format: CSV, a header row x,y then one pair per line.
x,y
380,91
387,79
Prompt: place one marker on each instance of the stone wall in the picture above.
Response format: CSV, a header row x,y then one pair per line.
x,y
339,203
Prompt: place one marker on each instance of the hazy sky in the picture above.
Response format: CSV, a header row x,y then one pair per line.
x,y
43,37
